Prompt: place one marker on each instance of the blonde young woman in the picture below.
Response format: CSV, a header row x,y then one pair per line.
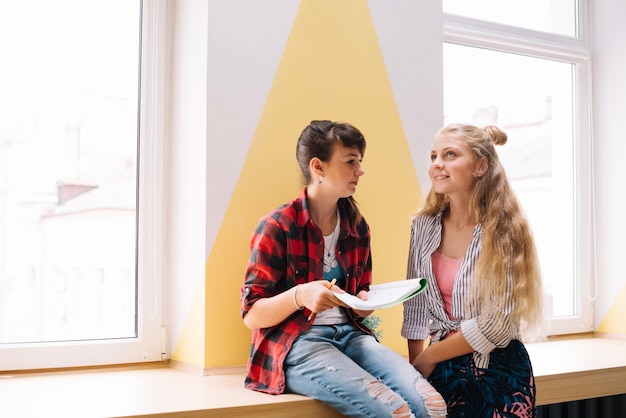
x,y
474,245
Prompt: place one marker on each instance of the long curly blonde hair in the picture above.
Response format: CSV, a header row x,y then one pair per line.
x,y
508,247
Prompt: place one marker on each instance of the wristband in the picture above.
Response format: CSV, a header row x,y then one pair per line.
x,y
295,300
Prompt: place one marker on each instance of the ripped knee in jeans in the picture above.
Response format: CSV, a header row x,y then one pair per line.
x,y
433,401
379,390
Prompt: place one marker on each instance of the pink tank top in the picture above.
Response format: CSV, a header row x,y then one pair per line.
x,y
445,269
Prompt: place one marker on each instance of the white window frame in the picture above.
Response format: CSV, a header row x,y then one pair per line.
x,y
475,33
149,345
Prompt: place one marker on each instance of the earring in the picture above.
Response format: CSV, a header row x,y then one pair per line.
x,y
319,181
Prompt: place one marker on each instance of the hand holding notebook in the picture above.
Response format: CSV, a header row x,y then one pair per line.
x,y
385,295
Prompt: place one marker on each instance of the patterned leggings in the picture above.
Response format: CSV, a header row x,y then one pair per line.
x,y
505,389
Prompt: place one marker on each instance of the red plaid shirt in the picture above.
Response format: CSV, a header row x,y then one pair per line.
x,y
287,249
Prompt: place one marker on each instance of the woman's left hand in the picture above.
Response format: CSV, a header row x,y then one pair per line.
x,y
363,294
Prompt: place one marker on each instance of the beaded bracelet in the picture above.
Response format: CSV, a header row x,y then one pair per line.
x,y
295,299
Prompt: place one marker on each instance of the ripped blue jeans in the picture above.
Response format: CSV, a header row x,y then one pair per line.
x,y
356,375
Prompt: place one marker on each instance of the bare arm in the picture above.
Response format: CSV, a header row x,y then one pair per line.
x,y
271,311
451,347
415,348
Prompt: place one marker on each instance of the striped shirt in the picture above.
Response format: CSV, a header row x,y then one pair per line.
x,y
425,314
287,249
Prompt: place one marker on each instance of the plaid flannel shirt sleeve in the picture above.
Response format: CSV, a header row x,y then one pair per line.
x,y
266,265
266,276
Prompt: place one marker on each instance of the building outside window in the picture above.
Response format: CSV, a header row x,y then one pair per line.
x,y
70,182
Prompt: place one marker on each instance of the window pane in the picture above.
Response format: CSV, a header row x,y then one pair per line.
x,y
68,163
532,100
552,16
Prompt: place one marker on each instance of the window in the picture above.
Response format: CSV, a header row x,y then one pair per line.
x,y
536,87
551,16
78,175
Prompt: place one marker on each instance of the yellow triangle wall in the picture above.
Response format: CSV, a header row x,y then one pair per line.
x,y
614,321
331,68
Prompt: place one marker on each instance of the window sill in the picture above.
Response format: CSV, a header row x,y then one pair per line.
x,y
578,367
566,369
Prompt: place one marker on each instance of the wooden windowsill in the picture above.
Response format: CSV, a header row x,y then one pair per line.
x,y
565,369
580,367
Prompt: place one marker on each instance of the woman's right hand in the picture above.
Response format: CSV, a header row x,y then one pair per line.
x,y
423,365
317,296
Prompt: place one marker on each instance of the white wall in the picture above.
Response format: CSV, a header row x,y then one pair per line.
x,y
608,33
187,221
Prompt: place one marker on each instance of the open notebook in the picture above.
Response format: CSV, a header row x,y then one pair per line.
x,y
385,295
